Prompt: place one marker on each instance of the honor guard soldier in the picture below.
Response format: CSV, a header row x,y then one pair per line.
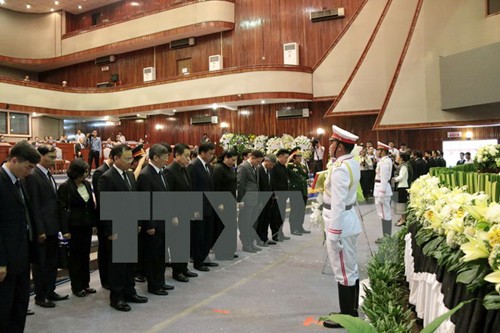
x,y
342,225
382,190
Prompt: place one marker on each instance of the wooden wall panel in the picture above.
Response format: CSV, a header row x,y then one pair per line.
x,y
261,29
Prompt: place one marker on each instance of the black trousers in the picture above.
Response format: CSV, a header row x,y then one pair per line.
x,y
121,278
79,257
103,256
172,236
45,269
277,219
14,299
367,181
201,239
264,221
94,155
154,259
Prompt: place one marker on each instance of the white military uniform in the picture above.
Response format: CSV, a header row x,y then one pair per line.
x,y
342,225
382,190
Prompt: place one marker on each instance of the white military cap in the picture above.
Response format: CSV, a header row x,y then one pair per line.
x,y
381,145
342,135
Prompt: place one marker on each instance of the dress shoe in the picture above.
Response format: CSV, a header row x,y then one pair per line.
x,y
140,278
80,293
159,292
256,248
167,287
90,290
296,233
261,243
211,264
29,312
249,249
270,242
136,299
235,256
56,297
45,303
201,268
191,274
181,277
304,231
120,306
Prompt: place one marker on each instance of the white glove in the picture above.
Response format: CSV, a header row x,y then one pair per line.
x,y
175,221
335,242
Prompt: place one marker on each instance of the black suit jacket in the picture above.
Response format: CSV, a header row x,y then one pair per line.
x,y
82,213
175,178
95,179
112,181
43,200
14,241
264,181
150,181
201,181
279,177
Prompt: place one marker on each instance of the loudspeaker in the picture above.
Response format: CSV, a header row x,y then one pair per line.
x,y
115,77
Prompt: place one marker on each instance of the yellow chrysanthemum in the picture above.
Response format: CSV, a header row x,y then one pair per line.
x,y
494,237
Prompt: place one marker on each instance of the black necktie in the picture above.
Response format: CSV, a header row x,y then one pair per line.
x,y
28,220
52,181
163,179
127,181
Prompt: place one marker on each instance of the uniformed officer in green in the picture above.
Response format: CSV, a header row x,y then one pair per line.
x,y
297,175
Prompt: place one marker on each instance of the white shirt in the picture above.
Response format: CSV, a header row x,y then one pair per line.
x,y
318,153
383,177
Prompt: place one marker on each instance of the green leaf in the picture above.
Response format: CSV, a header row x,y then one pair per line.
x,y
430,247
468,275
439,320
351,324
492,302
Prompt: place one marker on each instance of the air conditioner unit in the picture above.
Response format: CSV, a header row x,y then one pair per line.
x,y
149,74
328,14
103,85
291,54
105,60
215,62
185,42
292,113
134,117
197,120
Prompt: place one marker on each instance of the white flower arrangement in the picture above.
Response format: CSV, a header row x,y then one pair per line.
x,y
259,143
305,145
273,145
468,221
316,218
488,157
288,141
225,140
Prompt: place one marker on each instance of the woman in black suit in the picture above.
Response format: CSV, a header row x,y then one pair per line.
x,y
224,180
77,209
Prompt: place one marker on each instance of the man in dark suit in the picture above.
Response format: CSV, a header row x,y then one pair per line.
x,y
121,275
279,176
151,179
202,230
16,234
265,184
178,180
42,191
102,250
418,164
248,186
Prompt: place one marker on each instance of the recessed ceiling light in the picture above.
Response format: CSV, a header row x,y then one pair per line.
x,y
56,3
79,7
263,102
133,3
51,9
28,6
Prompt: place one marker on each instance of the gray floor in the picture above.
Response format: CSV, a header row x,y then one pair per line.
x,y
283,288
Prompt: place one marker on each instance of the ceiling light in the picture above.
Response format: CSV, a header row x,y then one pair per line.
x,y
28,6
51,9
2,2
263,102
56,3
79,7
133,3
320,131
174,110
